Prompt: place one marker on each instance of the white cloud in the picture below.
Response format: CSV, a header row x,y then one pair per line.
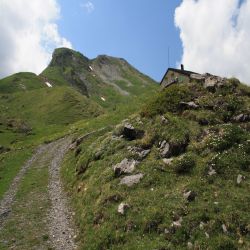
x,y
88,6
215,36
29,34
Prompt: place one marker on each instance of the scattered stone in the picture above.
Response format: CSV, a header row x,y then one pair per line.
x,y
131,180
216,203
168,150
211,171
130,133
242,118
240,178
188,105
124,167
190,245
164,120
201,226
122,208
167,161
140,152
189,195
207,235
224,228
177,223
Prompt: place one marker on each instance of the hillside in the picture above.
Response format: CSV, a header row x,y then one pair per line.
x,y
173,176
72,88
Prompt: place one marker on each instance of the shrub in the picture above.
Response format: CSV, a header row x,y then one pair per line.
x,y
167,101
184,164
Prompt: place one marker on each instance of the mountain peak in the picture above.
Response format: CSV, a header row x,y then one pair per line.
x,y
67,57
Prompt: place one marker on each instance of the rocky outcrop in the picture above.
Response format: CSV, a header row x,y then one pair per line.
x,y
124,167
131,180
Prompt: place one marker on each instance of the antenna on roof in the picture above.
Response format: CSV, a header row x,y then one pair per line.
x,y
168,57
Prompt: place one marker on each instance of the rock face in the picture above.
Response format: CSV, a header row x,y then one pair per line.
x,y
122,208
124,167
131,180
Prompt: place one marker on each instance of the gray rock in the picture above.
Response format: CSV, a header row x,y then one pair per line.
x,y
131,180
124,167
240,178
189,105
122,208
211,171
189,195
165,149
242,118
167,161
164,120
177,223
140,152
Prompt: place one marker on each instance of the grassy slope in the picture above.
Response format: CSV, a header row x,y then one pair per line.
x,y
158,199
23,81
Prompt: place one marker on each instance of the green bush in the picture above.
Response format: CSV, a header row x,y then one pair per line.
x,y
184,164
167,101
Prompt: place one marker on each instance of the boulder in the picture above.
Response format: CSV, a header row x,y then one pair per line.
x,y
130,133
124,167
189,196
122,208
131,180
168,150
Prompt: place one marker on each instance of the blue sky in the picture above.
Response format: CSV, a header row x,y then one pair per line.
x,y
141,31
205,35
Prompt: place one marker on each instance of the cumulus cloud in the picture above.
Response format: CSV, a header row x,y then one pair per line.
x,y
215,36
88,6
29,34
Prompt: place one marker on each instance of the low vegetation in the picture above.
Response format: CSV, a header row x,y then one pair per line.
x,y
195,166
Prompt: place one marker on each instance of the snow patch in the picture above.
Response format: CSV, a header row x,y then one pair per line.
x,y
48,84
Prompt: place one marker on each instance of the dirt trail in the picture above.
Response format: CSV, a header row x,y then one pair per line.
x,y
59,218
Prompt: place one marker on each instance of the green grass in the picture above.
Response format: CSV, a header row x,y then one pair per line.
x,y
27,226
11,163
21,82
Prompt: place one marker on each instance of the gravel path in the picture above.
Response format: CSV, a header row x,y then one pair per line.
x,y
59,219
61,228
8,198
